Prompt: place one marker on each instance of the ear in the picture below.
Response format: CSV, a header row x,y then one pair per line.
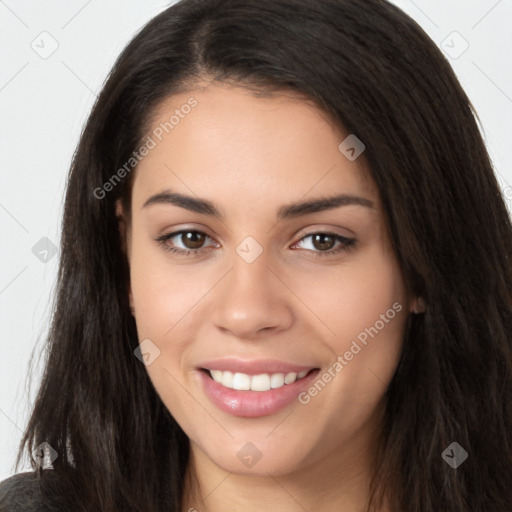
x,y
418,306
121,224
123,232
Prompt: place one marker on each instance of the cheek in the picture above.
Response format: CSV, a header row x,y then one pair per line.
x,y
169,300
165,297
363,309
352,297
162,292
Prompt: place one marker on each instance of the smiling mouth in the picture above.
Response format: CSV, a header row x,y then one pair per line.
x,y
261,382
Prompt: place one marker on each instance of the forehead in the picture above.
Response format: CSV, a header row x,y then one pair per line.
x,y
224,141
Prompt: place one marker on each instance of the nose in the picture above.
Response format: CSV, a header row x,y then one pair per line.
x,y
251,300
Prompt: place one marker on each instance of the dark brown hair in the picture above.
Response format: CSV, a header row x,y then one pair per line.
x,y
375,71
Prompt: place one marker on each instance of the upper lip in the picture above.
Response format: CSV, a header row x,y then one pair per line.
x,y
254,367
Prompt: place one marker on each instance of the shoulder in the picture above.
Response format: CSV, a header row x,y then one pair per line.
x,y
22,493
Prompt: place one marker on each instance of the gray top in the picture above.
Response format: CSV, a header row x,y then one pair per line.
x,y
22,493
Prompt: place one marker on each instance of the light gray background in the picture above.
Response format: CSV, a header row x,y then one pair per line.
x,y
45,100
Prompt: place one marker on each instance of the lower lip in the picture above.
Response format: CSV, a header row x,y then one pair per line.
x,y
252,404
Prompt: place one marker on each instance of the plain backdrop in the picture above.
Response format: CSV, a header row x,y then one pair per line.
x,y
54,58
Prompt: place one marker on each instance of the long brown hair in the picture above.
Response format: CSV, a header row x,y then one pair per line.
x,y
377,73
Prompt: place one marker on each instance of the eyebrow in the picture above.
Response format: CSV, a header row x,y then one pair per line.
x,y
288,211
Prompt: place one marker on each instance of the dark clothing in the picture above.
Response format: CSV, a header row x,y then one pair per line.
x,y
22,493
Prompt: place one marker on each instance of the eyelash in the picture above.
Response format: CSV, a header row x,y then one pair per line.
x,y
346,243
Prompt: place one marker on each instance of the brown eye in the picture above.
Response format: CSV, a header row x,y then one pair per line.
x,y
324,244
192,239
323,241
185,242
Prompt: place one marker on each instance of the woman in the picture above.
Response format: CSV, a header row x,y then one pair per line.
x,y
285,279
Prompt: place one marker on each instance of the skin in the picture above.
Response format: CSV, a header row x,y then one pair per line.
x,y
287,304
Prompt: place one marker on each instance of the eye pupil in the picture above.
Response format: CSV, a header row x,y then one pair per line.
x,y
322,245
193,239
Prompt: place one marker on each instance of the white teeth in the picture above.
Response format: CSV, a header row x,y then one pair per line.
x,y
261,382
216,375
226,379
290,377
276,380
241,381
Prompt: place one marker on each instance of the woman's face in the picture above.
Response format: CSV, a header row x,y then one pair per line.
x,y
268,288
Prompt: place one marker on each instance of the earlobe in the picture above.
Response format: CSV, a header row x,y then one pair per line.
x,y
132,307
418,306
121,224
123,236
